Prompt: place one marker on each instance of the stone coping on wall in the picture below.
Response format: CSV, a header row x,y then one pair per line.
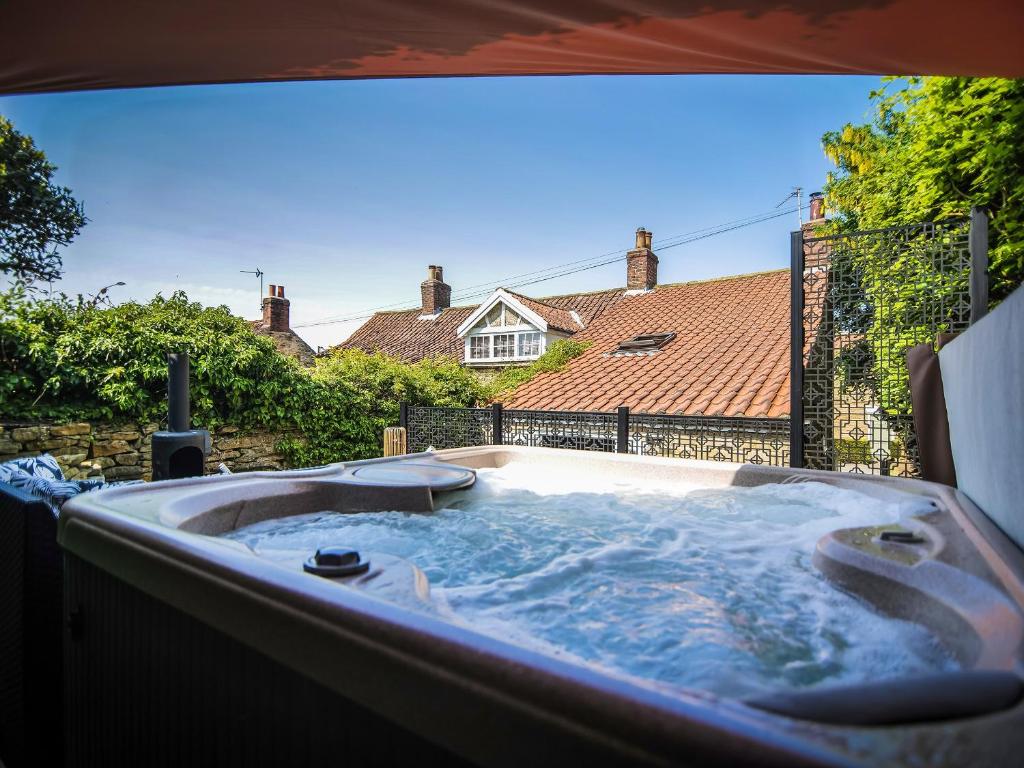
x,y
122,451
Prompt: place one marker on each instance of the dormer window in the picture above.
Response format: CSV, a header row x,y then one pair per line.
x,y
509,329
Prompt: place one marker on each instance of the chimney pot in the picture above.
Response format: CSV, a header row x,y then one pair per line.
x,y
647,239
273,290
280,291
640,237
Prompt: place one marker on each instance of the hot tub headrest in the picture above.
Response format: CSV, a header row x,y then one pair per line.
x,y
928,698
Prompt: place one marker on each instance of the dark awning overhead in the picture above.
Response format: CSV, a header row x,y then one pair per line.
x,y
61,45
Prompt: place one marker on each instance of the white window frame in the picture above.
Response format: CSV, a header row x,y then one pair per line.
x,y
482,337
538,338
505,340
490,345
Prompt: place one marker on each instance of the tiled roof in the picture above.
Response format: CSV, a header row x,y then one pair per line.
x,y
405,336
287,342
587,305
557,319
730,355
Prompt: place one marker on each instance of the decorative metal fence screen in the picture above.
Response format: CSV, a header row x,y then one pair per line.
x,y
712,438
717,438
446,427
578,430
864,299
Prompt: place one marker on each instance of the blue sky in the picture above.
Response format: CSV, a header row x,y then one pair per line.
x,y
344,192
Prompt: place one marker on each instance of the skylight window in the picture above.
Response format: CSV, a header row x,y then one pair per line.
x,y
647,342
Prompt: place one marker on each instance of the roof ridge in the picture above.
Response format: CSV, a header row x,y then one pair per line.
x,y
535,301
723,278
545,299
581,293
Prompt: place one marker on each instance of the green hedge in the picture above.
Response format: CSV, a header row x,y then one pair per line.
x,y
66,359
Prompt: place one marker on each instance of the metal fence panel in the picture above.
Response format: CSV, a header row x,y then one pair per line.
x,y
720,438
866,298
578,430
713,438
447,427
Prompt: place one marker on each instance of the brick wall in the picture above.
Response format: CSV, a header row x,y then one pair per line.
x,y
122,451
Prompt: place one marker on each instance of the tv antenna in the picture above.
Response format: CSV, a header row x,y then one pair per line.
x,y
797,192
259,273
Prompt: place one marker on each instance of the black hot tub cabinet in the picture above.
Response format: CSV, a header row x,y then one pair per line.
x,y
185,649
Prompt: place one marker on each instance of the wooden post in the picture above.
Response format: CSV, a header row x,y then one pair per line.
x,y
394,441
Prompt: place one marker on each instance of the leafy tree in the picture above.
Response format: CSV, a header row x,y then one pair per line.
x,y
935,147
37,217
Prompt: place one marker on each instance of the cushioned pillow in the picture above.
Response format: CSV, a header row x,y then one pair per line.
x,y
44,466
54,492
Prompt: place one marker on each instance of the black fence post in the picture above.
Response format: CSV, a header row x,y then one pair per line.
x,y
622,434
978,240
403,414
496,436
796,350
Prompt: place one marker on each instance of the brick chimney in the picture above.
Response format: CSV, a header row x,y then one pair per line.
x,y
275,309
641,264
435,292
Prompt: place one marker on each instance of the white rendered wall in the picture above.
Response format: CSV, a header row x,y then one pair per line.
x,y
983,379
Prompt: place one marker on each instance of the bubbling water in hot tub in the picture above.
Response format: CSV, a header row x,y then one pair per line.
x,y
676,586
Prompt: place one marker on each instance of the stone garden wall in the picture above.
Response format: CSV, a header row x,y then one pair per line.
x,y
122,451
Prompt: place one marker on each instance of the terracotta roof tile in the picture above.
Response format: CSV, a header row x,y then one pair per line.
x,y
558,319
405,336
730,355
287,342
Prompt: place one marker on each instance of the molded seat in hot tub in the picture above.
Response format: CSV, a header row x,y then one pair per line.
x,y
434,475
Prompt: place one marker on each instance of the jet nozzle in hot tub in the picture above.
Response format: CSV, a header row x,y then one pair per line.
x,y
336,561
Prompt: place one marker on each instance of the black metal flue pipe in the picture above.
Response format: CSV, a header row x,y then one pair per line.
x,y
178,417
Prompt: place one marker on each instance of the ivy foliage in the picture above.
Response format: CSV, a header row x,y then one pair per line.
x,y
70,359
557,356
935,147
37,217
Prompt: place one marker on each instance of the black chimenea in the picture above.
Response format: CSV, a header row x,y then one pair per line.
x,y
180,451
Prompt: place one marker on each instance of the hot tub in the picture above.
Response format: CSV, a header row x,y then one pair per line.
x,y
187,643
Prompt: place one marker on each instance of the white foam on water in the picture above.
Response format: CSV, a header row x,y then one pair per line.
x,y
677,586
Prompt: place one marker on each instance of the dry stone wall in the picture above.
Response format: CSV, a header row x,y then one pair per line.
x,y
123,451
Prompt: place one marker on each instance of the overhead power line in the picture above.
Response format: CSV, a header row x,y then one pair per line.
x,y
469,291
562,270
